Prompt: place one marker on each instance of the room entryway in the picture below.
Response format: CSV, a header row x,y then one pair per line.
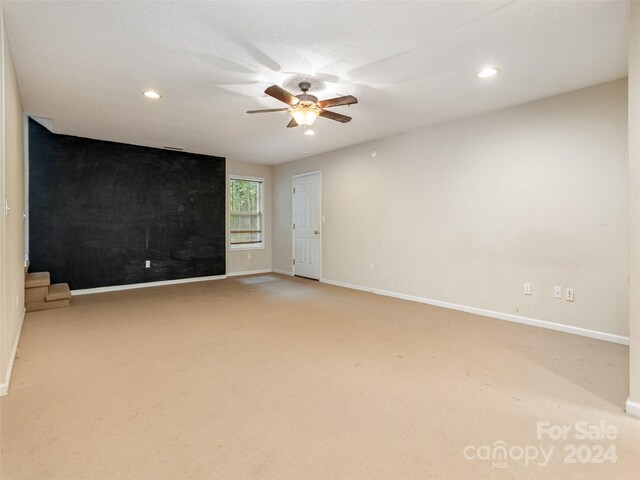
x,y
307,219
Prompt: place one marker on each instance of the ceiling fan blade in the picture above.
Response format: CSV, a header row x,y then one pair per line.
x,y
335,116
268,110
336,102
292,123
281,94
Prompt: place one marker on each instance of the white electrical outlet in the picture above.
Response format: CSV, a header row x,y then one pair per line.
x,y
17,300
371,267
527,289
147,264
568,296
249,255
557,292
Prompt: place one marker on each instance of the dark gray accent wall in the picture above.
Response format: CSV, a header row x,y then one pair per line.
x,y
98,210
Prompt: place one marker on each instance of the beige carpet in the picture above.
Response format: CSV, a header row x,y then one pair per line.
x,y
269,377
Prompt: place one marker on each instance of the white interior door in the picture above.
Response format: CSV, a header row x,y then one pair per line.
x,y
307,191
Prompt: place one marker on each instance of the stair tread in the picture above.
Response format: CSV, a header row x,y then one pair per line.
x,y
58,291
37,279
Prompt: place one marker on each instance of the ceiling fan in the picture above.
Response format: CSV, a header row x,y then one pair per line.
x,y
305,108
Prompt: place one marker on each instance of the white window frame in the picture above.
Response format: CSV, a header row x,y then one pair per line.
x,y
255,246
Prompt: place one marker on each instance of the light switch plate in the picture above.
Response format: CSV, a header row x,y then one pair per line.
x,y
569,295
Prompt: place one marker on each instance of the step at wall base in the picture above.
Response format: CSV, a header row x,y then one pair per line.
x,y
37,279
39,306
36,294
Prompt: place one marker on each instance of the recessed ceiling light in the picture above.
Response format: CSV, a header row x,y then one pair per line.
x,y
309,132
151,94
488,72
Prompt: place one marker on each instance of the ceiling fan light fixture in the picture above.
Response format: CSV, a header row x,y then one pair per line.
x,y
304,114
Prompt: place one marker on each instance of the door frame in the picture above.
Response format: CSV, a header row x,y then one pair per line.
x,y
293,233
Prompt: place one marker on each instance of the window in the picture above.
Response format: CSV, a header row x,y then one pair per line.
x,y
245,205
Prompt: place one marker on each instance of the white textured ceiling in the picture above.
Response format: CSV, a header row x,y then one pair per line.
x,y
86,64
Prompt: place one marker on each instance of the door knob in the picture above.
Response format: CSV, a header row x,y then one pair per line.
x,y
317,232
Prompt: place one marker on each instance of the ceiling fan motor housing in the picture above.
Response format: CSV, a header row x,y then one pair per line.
x,y
304,97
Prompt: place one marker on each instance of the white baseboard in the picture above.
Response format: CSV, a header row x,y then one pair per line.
x,y
248,272
346,285
585,332
4,386
633,408
283,272
115,288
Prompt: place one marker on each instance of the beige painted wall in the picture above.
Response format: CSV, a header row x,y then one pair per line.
x,y
634,195
254,259
468,211
12,274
